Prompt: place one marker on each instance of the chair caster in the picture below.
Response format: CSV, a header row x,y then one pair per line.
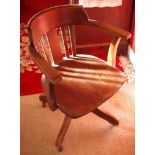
x,y
60,149
44,105
115,122
43,99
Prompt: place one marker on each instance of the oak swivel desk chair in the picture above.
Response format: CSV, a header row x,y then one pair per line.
x,y
76,84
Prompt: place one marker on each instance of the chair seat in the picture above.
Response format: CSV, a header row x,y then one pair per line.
x,y
87,82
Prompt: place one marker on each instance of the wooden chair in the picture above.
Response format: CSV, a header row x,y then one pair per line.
x,y
76,84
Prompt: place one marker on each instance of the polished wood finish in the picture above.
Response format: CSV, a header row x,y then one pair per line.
x,y
54,44
73,39
111,29
112,52
51,73
76,84
64,15
65,31
62,133
96,80
107,116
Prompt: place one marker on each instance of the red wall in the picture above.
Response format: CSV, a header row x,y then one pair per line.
x,y
43,4
29,7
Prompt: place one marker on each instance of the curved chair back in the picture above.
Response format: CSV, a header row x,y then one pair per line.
x,y
52,31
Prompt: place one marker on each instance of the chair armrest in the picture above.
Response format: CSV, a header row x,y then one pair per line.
x,y
111,29
50,72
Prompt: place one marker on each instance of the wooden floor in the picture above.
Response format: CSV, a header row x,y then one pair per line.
x,y
89,135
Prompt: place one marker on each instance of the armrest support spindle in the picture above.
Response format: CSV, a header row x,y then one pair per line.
x,y
112,52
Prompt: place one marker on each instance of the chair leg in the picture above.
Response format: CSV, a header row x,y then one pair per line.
x,y
62,133
110,118
43,99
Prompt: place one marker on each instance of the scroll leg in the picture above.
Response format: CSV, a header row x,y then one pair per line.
x,y
110,118
62,133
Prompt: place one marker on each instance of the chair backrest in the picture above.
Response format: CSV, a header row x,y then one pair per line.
x,y
52,31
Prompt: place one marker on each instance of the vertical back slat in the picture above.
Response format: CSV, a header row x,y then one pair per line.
x,y
62,42
40,48
73,39
54,43
67,40
47,49
43,48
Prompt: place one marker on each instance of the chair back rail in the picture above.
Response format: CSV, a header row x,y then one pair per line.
x,y
54,17
52,31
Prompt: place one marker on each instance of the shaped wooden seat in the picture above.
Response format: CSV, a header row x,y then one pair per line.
x,y
75,84
87,84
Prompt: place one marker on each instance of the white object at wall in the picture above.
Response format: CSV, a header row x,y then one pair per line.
x,y
131,54
100,3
